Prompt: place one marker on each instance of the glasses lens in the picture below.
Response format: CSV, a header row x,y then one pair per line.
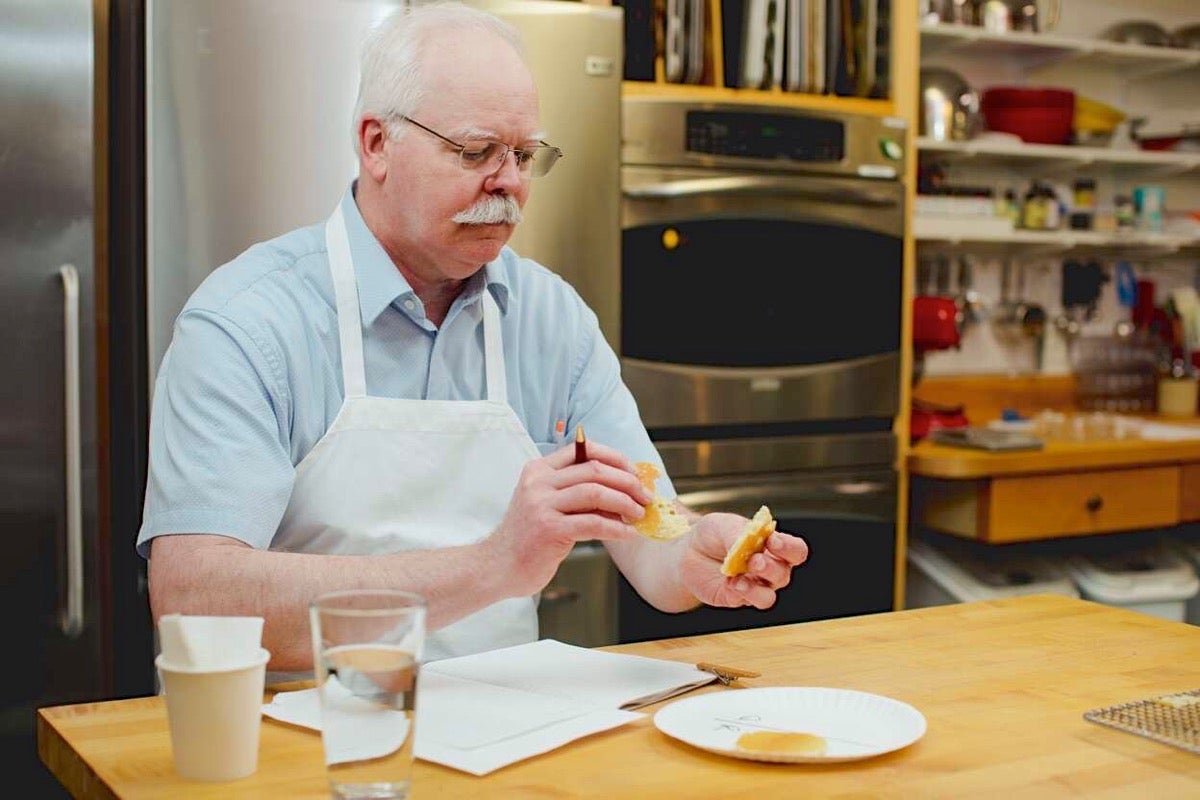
x,y
542,159
479,156
485,156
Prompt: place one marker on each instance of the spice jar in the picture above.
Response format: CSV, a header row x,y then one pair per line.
x,y
1033,211
1126,214
1083,204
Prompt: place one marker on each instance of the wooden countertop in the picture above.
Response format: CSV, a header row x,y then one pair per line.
x,y
1002,683
931,460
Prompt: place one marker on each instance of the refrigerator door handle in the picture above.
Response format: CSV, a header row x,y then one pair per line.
x,y
70,616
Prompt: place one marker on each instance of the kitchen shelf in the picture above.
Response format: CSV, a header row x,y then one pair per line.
x,y
1035,50
773,97
1061,158
930,236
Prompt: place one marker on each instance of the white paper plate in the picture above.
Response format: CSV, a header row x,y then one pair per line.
x,y
854,724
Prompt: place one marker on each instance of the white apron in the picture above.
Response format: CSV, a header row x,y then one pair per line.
x,y
392,475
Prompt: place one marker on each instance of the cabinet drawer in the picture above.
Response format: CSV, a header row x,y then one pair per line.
x,y
1189,493
1040,507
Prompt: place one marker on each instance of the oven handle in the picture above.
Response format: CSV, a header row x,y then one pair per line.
x,y
759,184
790,500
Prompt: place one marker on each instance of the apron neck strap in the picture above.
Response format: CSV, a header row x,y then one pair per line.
x,y
345,290
493,350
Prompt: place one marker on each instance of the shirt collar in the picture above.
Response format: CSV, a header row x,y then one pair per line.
x,y
379,282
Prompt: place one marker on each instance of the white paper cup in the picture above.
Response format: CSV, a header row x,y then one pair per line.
x,y
215,716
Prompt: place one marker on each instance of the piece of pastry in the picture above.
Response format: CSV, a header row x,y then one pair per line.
x,y
753,538
662,521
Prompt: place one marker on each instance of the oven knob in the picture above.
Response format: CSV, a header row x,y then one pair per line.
x,y
891,149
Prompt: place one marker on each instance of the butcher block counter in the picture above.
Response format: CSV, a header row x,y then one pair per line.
x,y
1003,685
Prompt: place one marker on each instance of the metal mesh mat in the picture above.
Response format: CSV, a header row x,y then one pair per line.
x,y
1172,719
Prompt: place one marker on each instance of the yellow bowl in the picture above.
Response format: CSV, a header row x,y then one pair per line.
x,y
1092,115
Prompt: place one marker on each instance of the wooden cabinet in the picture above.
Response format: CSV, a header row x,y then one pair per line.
x,y
1031,507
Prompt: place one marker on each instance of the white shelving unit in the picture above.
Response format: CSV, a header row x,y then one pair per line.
x,y
937,235
1034,50
1062,158
1139,80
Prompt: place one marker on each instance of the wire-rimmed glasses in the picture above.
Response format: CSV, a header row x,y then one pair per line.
x,y
487,157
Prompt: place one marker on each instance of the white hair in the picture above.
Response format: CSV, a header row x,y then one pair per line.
x,y
391,83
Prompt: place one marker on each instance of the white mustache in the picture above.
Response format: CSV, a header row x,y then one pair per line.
x,y
494,209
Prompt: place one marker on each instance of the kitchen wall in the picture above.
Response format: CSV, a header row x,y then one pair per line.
x,y
985,348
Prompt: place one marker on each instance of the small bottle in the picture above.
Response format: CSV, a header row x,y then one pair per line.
x,y
1033,212
1126,214
1012,209
1083,204
1053,213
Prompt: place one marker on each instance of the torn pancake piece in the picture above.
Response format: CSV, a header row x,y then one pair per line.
x,y
752,539
662,521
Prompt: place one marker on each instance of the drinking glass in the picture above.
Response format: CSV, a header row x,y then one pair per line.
x,y
367,647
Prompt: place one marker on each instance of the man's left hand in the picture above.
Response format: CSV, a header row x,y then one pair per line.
x,y
768,571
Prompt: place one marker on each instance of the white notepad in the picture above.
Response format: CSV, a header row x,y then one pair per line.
x,y
481,712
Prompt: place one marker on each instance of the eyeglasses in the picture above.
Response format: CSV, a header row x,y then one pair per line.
x,y
487,157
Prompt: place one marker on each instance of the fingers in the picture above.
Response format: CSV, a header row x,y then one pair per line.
x,y
565,456
751,592
601,473
769,571
595,497
789,549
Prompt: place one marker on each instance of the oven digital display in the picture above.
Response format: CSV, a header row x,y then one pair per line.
x,y
768,136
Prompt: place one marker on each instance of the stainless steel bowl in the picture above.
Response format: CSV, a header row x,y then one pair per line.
x,y
1188,37
949,106
1136,31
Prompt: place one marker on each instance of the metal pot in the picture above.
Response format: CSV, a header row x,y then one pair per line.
x,y
1138,32
949,106
1187,37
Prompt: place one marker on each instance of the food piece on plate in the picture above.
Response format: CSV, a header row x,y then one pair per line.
x,y
661,521
808,744
753,538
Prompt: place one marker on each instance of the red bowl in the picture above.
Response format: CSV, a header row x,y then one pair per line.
x,y
1010,96
1038,116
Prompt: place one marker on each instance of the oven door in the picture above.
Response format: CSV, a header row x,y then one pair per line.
x,y
848,519
739,290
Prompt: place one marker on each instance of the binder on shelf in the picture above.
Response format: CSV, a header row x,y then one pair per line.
x,y
695,33
733,25
639,40
675,40
798,67
755,72
816,45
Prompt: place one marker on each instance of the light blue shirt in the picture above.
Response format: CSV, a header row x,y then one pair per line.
x,y
253,376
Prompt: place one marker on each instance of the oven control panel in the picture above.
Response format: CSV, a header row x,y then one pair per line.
x,y
666,132
765,135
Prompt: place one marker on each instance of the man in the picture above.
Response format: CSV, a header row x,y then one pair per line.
x,y
355,404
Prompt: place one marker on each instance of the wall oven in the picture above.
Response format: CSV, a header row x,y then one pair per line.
x,y
761,279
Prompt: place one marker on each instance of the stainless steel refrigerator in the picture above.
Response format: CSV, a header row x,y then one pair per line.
x,y
76,622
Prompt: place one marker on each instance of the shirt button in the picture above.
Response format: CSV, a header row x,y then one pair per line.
x,y
410,305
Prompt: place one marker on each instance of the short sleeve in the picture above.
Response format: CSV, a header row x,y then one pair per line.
x,y
219,458
604,406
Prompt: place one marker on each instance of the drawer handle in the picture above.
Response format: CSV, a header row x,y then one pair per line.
x,y
1095,503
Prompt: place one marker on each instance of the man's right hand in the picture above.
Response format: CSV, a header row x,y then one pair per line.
x,y
557,503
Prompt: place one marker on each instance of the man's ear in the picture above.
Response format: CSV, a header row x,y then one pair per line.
x,y
372,138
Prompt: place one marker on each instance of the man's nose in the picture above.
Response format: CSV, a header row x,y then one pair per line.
x,y
508,169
